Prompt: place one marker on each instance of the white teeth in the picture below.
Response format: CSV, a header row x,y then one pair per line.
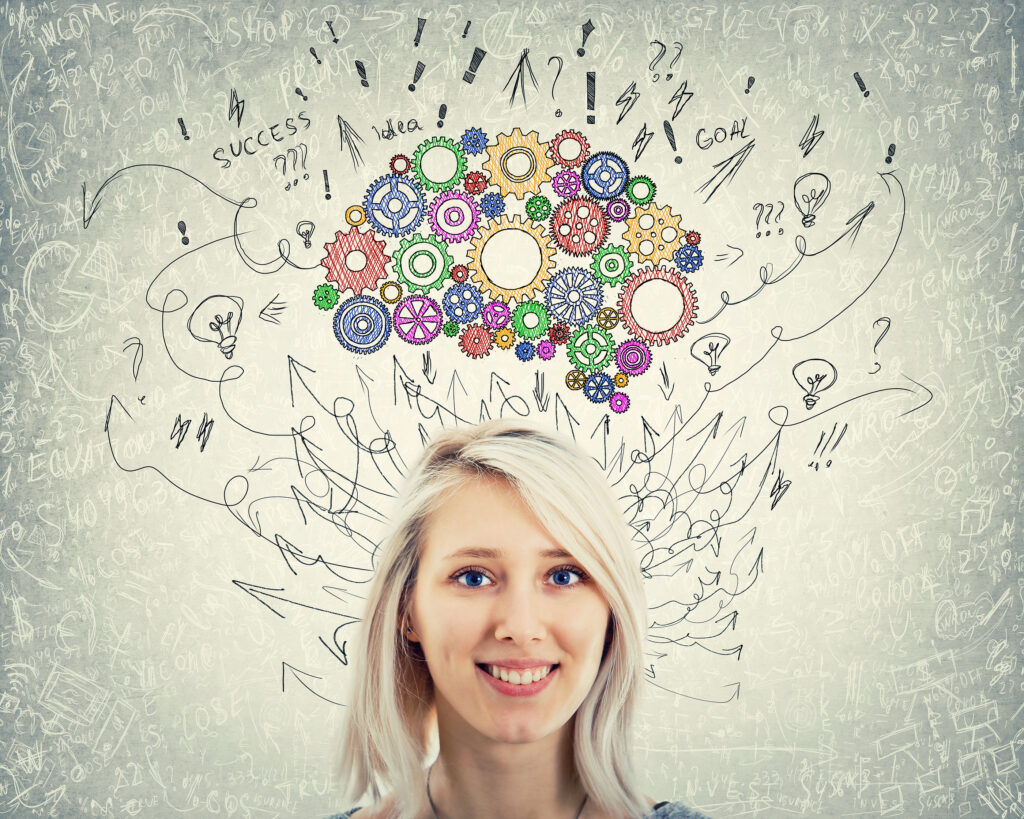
x,y
530,675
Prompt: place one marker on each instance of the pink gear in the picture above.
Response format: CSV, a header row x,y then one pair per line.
x,y
629,288
579,226
367,268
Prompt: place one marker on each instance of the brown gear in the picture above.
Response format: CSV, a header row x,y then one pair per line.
x,y
649,243
608,318
509,148
575,379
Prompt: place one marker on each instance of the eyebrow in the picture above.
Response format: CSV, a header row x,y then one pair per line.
x,y
482,553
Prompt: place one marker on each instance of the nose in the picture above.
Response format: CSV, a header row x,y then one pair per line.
x,y
521,614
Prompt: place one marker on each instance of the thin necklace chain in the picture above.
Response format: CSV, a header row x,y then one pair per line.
x,y
434,810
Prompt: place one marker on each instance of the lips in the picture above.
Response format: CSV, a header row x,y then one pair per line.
x,y
513,690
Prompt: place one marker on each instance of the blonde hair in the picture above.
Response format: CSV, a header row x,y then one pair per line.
x,y
391,722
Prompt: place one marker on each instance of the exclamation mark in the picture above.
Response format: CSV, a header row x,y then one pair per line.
x,y
416,76
362,74
181,124
474,64
465,31
420,23
671,137
335,36
588,28
327,186
299,92
892,153
441,114
860,82
591,95
318,60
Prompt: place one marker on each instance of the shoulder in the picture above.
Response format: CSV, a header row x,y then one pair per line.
x,y
380,811
674,810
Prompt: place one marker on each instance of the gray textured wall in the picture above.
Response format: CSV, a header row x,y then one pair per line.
x,y
836,593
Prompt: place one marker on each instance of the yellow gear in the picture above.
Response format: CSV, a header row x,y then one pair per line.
x,y
505,337
621,379
355,215
512,149
646,229
547,259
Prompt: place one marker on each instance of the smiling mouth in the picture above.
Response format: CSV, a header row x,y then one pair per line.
x,y
488,669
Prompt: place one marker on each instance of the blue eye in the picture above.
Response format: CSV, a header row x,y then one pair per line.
x,y
561,572
469,573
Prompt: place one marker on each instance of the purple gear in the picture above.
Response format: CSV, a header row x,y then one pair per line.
x,y
496,315
618,210
418,319
545,350
566,184
633,357
454,216
619,402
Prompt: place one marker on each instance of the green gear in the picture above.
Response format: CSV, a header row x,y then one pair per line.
x,y
538,208
410,270
612,264
450,328
519,315
637,181
460,164
325,296
590,348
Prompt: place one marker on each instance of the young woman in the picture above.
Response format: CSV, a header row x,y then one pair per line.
x,y
505,628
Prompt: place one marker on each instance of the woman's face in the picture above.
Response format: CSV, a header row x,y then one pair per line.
x,y
518,604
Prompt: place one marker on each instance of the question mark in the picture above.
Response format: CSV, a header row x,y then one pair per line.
x,y
888,323
782,207
561,62
660,54
767,219
757,224
675,59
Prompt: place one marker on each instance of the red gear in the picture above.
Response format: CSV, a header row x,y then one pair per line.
x,y
579,225
693,238
336,261
476,341
400,164
630,286
558,333
475,182
460,272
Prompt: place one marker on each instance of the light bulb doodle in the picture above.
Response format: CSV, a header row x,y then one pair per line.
x,y
305,229
216,320
707,350
814,376
810,192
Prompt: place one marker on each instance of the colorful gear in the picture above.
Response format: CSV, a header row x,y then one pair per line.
x,y
688,258
608,318
492,204
433,144
475,341
559,334
454,216
530,308
365,255
590,348
509,149
422,263
575,379
598,387
569,136
460,273
475,182
505,337
605,175
566,184
633,358
617,210
525,350
633,283
579,226
394,205
645,183
528,290
418,319
538,208
573,295
355,215
400,164
391,292
474,141
545,350
646,230
497,314
612,264
362,324
325,296
621,379
462,303
618,402
692,237
450,328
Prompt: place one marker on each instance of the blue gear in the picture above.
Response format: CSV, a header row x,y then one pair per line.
x,y
688,258
598,387
362,324
573,295
492,204
463,303
381,199
605,175
474,141
525,350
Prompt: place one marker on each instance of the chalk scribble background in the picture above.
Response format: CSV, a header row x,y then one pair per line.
x,y
836,592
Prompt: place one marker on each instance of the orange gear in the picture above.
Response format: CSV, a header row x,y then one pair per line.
x,y
505,338
653,233
531,288
373,259
512,149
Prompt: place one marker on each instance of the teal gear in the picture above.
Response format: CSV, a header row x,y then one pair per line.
x,y
590,348
612,264
530,308
461,164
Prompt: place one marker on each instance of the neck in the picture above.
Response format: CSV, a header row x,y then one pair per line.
x,y
535,780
